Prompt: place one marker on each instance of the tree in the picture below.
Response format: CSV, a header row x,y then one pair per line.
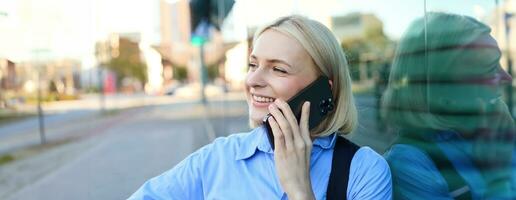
x,y
373,42
128,62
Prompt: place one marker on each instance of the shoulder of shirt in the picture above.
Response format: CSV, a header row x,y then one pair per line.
x,y
405,157
370,176
367,153
227,145
232,139
402,153
366,159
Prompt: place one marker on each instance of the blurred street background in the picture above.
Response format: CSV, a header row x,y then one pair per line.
x,y
98,96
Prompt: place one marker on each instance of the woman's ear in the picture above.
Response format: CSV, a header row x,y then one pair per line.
x,y
331,84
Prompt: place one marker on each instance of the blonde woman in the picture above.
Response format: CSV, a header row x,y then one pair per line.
x,y
287,55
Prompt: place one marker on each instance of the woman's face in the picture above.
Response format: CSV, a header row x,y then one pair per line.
x,y
279,67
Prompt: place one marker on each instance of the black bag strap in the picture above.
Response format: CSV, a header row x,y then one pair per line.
x,y
343,153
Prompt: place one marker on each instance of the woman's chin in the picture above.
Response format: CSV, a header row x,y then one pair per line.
x,y
255,118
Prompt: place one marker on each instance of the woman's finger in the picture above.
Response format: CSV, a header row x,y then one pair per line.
x,y
304,123
287,112
279,139
293,134
283,126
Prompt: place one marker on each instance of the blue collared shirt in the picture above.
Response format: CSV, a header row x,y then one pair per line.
x,y
241,166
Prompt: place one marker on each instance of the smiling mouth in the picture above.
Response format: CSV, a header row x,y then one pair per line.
x,y
262,99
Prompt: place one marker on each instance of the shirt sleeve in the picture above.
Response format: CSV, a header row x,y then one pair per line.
x,y
181,182
415,175
370,176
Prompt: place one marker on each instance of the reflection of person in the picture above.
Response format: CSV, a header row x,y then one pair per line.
x,y
456,136
287,55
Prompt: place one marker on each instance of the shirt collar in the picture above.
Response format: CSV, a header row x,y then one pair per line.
x,y
250,143
326,142
257,139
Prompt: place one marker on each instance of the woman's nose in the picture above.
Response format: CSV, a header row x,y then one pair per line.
x,y
255,78
505,78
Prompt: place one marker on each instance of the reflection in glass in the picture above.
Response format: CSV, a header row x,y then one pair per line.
x,y
444,98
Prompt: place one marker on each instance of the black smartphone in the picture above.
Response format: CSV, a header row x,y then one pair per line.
x,y
318,93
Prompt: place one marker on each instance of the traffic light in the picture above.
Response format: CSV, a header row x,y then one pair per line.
x,y
212,12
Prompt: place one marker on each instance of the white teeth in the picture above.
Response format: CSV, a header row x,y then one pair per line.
x,y
262,99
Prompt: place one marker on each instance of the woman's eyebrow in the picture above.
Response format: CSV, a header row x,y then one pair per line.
x,y
273,61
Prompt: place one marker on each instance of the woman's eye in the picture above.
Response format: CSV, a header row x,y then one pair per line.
x,y
252,66
280,70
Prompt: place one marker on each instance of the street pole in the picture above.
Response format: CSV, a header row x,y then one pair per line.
x,y
221,8
510,103
510,88
102,100
202,72
199,37
41,118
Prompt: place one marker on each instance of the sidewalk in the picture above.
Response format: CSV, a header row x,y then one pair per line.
x,y
102,162
121,101
60,116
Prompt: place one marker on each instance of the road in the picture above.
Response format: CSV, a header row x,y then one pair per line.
x,y
61,119
117,153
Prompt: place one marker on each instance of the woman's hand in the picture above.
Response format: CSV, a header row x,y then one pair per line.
x,y
293,147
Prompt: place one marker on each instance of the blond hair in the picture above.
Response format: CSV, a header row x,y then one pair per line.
x,y
328,56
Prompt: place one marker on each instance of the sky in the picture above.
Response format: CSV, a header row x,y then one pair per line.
x,y
45,29
397,14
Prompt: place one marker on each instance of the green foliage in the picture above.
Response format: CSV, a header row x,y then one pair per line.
x,y
373,43
8,116
213,71
180,73
91,89
6,159
354,47
50,97
129,62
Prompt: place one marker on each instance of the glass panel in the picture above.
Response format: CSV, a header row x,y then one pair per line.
x,y
447,102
